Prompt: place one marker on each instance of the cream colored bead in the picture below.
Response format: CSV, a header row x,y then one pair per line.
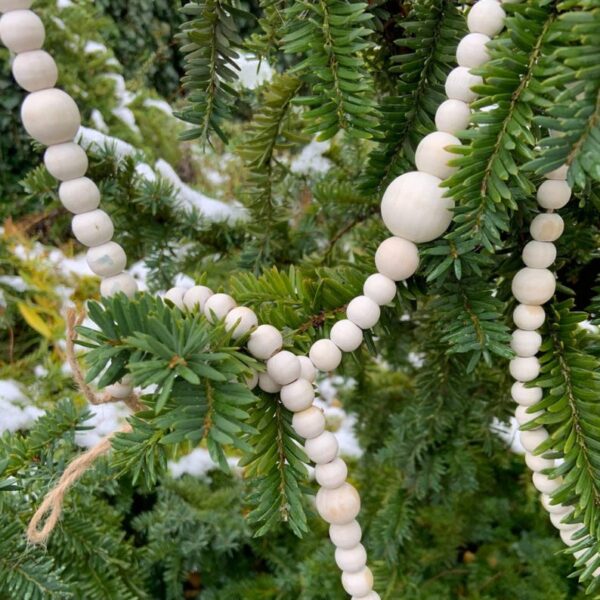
x,y
50,116
346,335
121,283
533,286
92,228
568,536
22,31
556,520
266,384
107,259
531,439
529,317
525,343
35,70
331,474
459,83
251,381
66,161
555,509
196,297
362,311
345,536
351,559
397,259
544,484
175,295
547,227
472,50
486,16
265,341
523,417
283,367
338,506
381,289
553,194
325,355
558,173
240,321
539,255
526,396
432,155
217,306
538,463
8,5
79,195
372,595
524,369
307,369
359,583
322,449
298,395
309,423
452,116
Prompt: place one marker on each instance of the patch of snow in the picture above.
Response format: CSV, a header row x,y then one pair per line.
x,y
184,281
98,121
15,282
509,433
40,371
89,137
105,419
253,72
15,411
60,4
91,46
214,177
311,159
140,272
145,171
197,463
159,104
127,116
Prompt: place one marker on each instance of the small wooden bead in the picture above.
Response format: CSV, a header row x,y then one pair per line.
x,y
345,536
240,321
547,227
265,341
22,31
544,484
397,259
196,297
35,70
66,161
558,173
309,423
523,417
283,367
346,335
8,5
529,317
556,520
298,395
524,369
351,559
217,306
452,116
568,536
331,474
79,195
362,311
472,50
531,439
539,255
432,154
325,355
121,283
555,509
459,83
381,289
372,595
50,116
107,259
322,449
359,583
525,396
266,384
553,194
533,286
92,228
251,380
307,369
338,506
538,463
175,295
486,16
525,343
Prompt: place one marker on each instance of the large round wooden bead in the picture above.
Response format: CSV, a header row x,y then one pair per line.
x,y
79,195
217,306
338,506
544,484
553,194
397,258
66,161
432,154
539,255
472,50
240,321
307,369
381,289
556,520
92,228
265,341
568,536
452,116
331,474
531,439
523,417
555,509
346,335
538,463
530,317
309,423
22,31
459,83
107,259
525,396
50,116
533,286
298,395
266,384
175,295
524,369
345,536
351,559
486,16
283,367
8,5
251,380
547,227
322,449
525,343
196,297
414,207
35,70
121,283
558,173
359,583
362,311
325,355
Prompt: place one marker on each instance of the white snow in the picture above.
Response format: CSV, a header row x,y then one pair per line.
x,y
197,463
311,159
509,433
16,411
106,419
15,282
253,72
159,104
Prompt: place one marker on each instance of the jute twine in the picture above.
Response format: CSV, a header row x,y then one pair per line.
x,y
50,510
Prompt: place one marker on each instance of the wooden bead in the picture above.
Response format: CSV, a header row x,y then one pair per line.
x,y
362,311
486,16
66,161
325,355
309,423
459,83
121,283
240,321
544,484
538,463
568,536
555,509
322,449
120,390
396,258
524,369
525,396
35,70
92,228
50,116
529,317
346,335
266,384
22,31
359,583
547,227
525,343
298,395
539,255
523,417
8,5
553,194
531,439
452,116
533,286
283,367
558,173
251,381
381,289
432,154
414,207
372,595
345,536
351,559
196,297
307,369
175,296
338,506
472,50
79,195
331,474
217,306
556,520
265,341
107,259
